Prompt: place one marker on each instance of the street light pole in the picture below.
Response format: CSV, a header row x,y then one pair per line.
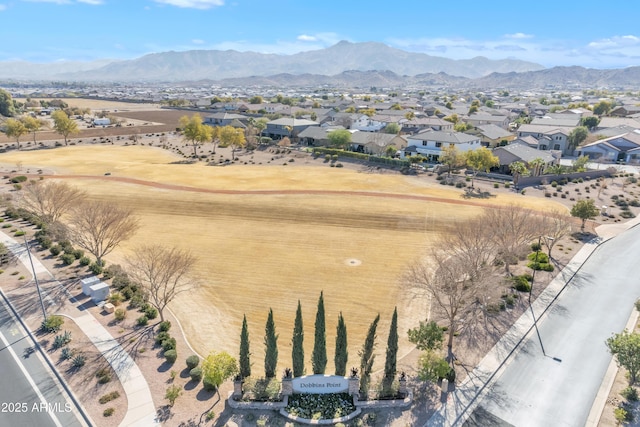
x,y
35,277
533,276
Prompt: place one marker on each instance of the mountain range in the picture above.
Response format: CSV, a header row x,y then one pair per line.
x,y
344,64
217,65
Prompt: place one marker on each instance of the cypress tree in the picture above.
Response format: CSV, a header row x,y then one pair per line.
x,y
245,363
367,357
392,353
319,356
342,355
297,351
271,347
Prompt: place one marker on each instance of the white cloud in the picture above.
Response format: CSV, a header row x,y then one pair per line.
x,y
3,7
519,36
193,4
615,42
92,2
306,38
197,41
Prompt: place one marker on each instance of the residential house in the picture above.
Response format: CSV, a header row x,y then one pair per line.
x,y
431,142
367,124
287,126
549,137
625,148
420,124
479,119
562,121
223,119
315,136
493,135
625,110
521,152
610,122
376,143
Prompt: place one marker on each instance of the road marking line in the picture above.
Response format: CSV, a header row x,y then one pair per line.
x,y
29,379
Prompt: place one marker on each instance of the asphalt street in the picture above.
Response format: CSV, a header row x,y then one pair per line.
x,y
30,395
558,388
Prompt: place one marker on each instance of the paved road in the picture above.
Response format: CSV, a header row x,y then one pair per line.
x,y
29,394
558,389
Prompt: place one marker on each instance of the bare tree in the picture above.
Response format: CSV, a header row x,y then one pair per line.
x,y
163,273
99,227
512,229
555,225
455,286
50,200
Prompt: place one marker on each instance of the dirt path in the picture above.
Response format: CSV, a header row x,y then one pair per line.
x,y
176,187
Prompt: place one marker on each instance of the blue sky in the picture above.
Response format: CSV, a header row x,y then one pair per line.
x,y
598,34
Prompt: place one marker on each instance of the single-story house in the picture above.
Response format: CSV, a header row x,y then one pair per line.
x,y
376,142
613,149
521,152
222,119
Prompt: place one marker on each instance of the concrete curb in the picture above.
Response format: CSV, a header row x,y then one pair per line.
x,y
81,410
141,410
462,402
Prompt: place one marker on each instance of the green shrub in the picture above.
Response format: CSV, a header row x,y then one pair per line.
x,y
84,261
52,324
95,268
196,374
67,259
169,344
78,253
622,415
19,178
66,353
171,355
164,326
108,412
55,250
151,313
18,233
521,284
142,321
45,242
192,361
496,185
630,393
109,397
104,379
120,314
539,257
78,361
162,336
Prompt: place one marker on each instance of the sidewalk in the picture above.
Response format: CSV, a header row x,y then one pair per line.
x,y
463,400
141,411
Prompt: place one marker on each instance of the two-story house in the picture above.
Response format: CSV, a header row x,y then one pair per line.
x,y
430,143
549,137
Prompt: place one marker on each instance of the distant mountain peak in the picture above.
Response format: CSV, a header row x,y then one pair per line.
x,y
216,64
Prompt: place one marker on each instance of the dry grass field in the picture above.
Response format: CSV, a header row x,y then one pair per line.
x,y
268,236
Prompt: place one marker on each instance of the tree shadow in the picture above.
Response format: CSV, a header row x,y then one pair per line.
x,y
165,366
204,395
190,385
476,193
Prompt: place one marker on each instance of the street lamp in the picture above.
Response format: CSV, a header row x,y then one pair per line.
x,y
533,277
35,276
